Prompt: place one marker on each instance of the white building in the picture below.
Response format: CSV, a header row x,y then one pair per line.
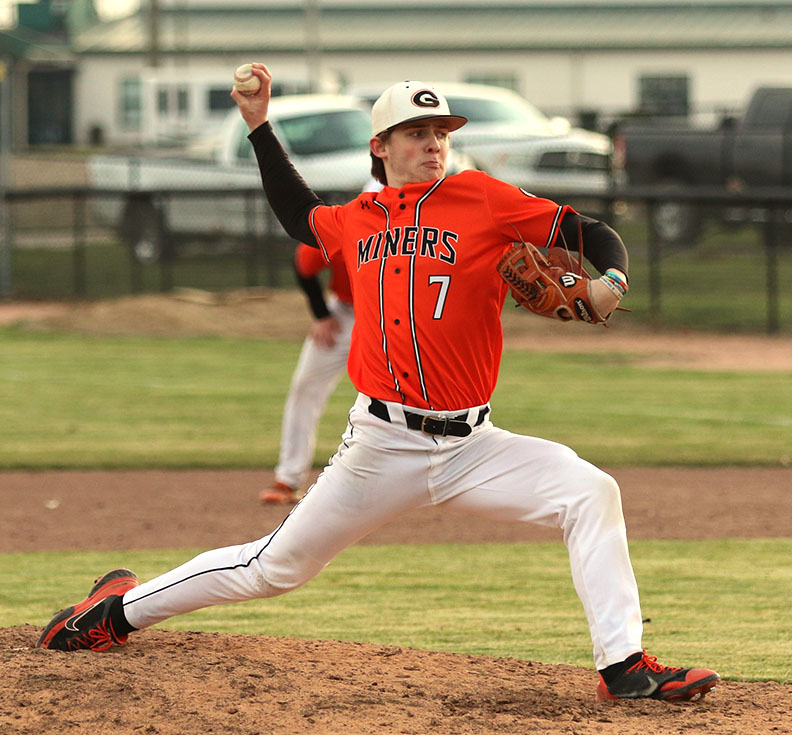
x,y
590,60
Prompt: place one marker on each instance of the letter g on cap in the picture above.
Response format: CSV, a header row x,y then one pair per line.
x,y
425,98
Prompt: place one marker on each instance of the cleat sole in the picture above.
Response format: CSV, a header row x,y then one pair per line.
x,y
695,691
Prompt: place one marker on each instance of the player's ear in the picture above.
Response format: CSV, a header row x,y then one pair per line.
x,y
377,146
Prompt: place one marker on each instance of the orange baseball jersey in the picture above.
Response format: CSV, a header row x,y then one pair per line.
x,y
310,261
422,263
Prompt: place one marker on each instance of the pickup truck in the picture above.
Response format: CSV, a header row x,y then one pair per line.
x,y
160,206
752,151
326,137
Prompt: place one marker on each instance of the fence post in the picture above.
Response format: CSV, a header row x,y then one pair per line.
x,y
78,240
772,225
251,252
6,260
6,282
273,277
135,273
167,253
655,285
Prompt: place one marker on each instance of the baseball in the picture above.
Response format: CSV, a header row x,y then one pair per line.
x,y
245,81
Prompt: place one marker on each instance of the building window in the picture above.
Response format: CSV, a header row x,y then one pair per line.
x,y
218,99
182,101
130,104
173,101
664,96
493,79
162,101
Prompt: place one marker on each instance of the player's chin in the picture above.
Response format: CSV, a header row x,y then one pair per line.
x,y
434,171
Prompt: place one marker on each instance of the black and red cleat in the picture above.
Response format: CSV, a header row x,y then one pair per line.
x,y
87,624
648,679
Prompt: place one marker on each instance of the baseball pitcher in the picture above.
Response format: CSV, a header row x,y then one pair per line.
x,y
425,259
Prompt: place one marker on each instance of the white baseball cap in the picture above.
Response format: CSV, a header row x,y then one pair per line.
x,y
409,101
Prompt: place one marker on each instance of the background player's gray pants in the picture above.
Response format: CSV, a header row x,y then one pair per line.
x,y
384,469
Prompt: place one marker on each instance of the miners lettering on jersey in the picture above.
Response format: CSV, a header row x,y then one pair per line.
x,y
425,242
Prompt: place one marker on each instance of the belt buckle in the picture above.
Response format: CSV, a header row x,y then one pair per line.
x,y
444,420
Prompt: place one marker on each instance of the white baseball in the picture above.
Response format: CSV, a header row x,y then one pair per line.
x,y
245,80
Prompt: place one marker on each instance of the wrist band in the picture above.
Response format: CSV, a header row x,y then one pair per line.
x,y
616,287
617,278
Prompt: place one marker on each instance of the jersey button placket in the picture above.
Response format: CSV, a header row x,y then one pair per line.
x,y
397,320
404,210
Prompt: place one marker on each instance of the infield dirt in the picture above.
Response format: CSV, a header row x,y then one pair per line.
x,y
176,683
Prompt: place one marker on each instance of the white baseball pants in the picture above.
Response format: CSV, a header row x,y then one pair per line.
x,y
382,470
318,371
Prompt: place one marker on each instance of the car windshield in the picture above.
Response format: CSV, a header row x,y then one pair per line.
x,y
326,132
503,112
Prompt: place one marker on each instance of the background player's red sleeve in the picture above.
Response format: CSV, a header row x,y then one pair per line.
x,y
309,261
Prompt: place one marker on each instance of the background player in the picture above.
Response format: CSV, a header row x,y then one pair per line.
x,y
424,356
321,365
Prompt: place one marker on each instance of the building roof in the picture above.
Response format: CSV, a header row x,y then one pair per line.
x,y
34,47
446,26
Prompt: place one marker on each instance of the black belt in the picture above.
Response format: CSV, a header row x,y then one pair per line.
x,y
436,425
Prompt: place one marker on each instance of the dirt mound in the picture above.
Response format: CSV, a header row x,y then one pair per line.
x,y
171,683
279,314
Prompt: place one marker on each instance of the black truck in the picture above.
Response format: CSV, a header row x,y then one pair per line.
x,y
743,153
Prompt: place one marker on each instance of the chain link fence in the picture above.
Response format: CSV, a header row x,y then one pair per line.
x,y
76,242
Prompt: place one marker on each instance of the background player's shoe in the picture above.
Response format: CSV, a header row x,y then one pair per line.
x,y
649,679
279,493
87,624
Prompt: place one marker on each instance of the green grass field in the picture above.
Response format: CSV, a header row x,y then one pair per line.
x,y
83,402
79,402
718,603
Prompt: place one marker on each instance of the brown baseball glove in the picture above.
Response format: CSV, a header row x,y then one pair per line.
x,y
554,285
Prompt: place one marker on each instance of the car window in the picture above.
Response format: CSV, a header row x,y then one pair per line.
x,y
244,151
326,132
504,112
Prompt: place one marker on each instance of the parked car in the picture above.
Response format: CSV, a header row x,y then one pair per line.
x,y
326,137
738,155
512,140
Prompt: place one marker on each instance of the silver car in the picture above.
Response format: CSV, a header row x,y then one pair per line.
x,y
512,140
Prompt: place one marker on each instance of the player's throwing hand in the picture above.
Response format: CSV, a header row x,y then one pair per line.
x,y
254,108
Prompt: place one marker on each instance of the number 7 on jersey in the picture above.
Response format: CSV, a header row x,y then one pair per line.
x,y
444,282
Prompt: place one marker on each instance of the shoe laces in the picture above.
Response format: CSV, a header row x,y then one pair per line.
x,y
98,638
650,663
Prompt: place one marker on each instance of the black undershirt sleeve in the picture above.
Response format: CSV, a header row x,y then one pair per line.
x,y
602,246
312,288
289,196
